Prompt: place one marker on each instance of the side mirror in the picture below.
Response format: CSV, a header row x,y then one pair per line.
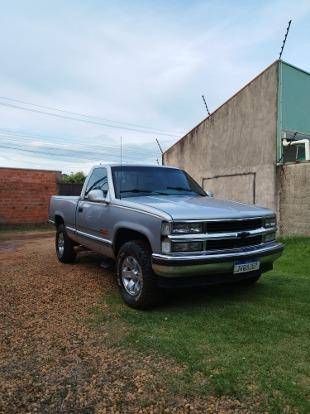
x,y
96,196
210,193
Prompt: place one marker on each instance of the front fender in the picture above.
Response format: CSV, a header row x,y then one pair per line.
x,y
152,231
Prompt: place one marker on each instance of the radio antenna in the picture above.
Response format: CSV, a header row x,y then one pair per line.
x,y
121,169
205,102
285,37
121,150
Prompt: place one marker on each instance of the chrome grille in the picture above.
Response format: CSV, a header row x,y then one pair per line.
x,y
232,243
232,225
227,235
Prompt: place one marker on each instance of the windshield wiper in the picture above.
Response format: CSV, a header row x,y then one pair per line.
x,y
135,190
180,189
139,190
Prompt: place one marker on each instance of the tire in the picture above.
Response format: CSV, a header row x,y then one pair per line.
x,y
64,246
139,289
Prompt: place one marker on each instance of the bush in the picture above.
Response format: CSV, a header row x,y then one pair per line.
x,y
77,178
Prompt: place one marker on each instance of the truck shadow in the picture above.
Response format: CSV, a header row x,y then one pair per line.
x,y
216,293
182,297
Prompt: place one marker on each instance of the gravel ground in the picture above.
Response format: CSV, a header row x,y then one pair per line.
x,y
51,361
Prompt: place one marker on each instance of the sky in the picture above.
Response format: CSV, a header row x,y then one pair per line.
x,y
99,81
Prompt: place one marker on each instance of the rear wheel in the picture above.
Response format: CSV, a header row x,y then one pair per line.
x,y
64,246
136,280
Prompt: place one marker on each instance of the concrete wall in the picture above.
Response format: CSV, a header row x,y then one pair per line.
x,y
25,195
233,152
294,199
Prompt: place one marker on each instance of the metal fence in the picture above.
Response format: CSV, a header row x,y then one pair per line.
x,y
69,189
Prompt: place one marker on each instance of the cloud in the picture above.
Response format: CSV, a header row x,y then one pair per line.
x,y
138,62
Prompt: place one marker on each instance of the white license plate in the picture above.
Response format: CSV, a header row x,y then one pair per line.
x,y
247,265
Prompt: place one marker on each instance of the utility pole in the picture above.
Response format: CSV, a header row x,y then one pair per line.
x,y
161,151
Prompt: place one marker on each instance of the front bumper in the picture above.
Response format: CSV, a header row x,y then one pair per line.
x,y
214,263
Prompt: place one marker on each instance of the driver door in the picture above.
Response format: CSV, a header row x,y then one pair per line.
x,y
92,217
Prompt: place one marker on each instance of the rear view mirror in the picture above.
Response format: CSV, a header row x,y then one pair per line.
x,y
96,196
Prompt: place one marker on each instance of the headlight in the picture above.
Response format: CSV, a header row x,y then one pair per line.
x,y
269,237
165,228
187,246
187,228
270,222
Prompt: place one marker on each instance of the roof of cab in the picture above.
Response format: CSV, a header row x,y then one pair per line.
x,y
133,165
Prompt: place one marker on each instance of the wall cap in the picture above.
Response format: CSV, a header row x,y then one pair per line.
x,y
30,169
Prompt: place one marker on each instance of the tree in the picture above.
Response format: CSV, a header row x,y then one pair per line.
x,y
78,177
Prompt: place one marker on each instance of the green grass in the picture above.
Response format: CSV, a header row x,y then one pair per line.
x,y
251,343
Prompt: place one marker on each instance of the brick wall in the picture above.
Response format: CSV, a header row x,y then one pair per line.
x,y
25,195
294,199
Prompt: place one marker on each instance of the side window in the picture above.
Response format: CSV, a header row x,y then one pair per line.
x,y
98,181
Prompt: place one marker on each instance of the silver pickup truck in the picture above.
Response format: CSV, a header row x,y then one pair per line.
x,y
163,230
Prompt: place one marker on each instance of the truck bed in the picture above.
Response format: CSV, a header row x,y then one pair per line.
x,y
64,207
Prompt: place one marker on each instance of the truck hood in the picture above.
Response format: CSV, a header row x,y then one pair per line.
x,y
182,207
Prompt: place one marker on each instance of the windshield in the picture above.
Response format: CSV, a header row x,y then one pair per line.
x,y
134,181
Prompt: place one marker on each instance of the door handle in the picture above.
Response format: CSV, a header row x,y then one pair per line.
x,y
80,209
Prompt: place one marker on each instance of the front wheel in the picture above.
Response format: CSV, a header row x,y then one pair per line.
x,y
136,279
64,246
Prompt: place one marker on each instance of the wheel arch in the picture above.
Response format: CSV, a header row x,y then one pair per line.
x,y
58,220
126,234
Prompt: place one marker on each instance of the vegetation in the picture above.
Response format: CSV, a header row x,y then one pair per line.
x,y
26,228
251,343
74,178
